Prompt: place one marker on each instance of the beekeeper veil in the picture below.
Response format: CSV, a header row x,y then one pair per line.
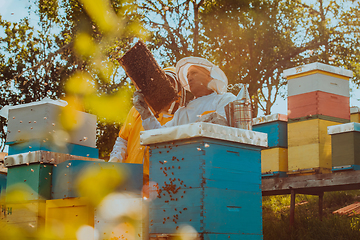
x,y
219,80
180,91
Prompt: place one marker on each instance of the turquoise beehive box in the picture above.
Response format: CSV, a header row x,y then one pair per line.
x,y
67,174
207,176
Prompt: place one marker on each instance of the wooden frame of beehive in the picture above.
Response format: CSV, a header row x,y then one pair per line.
x,y
145,73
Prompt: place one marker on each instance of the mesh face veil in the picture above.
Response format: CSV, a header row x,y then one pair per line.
x,y
219,80
170,72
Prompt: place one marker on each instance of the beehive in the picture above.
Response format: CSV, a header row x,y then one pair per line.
x,y
65,217
120,217
345,141
35,177
146,74
309,145
3,179
274,160
198,176
317,79
41,120
318,103
67,174
275,126
355,114
27,215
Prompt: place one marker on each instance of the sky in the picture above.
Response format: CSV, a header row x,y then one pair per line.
x,y
14,10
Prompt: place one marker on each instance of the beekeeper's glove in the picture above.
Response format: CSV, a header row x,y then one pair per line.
x,y
214,118
140,105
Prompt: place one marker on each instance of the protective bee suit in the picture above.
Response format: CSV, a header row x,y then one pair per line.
x,y
197,108
127,147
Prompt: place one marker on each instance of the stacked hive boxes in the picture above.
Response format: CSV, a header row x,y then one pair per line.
x,y
274,159
318,97
77,188
49,163
345,141
207,176
37,142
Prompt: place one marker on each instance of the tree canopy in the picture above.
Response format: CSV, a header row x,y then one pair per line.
x,y
73,52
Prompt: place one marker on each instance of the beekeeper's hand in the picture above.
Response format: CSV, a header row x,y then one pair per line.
x,y
140,105
214,118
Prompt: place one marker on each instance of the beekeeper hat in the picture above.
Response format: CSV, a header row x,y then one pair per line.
x,y
219,80
171,73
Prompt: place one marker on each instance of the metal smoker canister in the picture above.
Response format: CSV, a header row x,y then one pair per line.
x,y
238,112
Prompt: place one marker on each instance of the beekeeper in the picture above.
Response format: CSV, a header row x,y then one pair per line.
x,y
127,146
207,82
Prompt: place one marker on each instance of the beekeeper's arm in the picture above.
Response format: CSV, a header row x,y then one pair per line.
x,y
148,120
118,154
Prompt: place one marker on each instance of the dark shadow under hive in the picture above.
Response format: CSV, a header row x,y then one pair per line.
x,y
146,74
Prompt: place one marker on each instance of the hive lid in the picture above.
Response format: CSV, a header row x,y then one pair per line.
x,y
347,127
203,129
43,157
317,66
270,118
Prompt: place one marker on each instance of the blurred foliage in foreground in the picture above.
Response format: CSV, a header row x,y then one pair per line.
x,y
276,222
253,41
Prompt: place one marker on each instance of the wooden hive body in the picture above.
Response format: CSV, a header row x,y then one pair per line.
x,y
318,103
212,185
355,114
66,175
309,145
345,140
29,216
70,213
277,133
318,80
274,160
41,121
36,176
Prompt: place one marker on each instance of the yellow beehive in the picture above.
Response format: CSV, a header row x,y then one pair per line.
x,y
355,114
309,145
274,160
28,216
65,217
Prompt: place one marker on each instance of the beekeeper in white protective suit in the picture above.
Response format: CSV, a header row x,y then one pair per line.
x,y
206,82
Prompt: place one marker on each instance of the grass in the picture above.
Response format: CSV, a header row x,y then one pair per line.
x,y
307,225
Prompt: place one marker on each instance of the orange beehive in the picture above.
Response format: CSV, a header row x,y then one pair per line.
x,y
318,103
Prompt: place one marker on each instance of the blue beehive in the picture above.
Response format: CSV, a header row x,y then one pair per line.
x,y
275,126
207,178
36,145
36,176
66,174
2,183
